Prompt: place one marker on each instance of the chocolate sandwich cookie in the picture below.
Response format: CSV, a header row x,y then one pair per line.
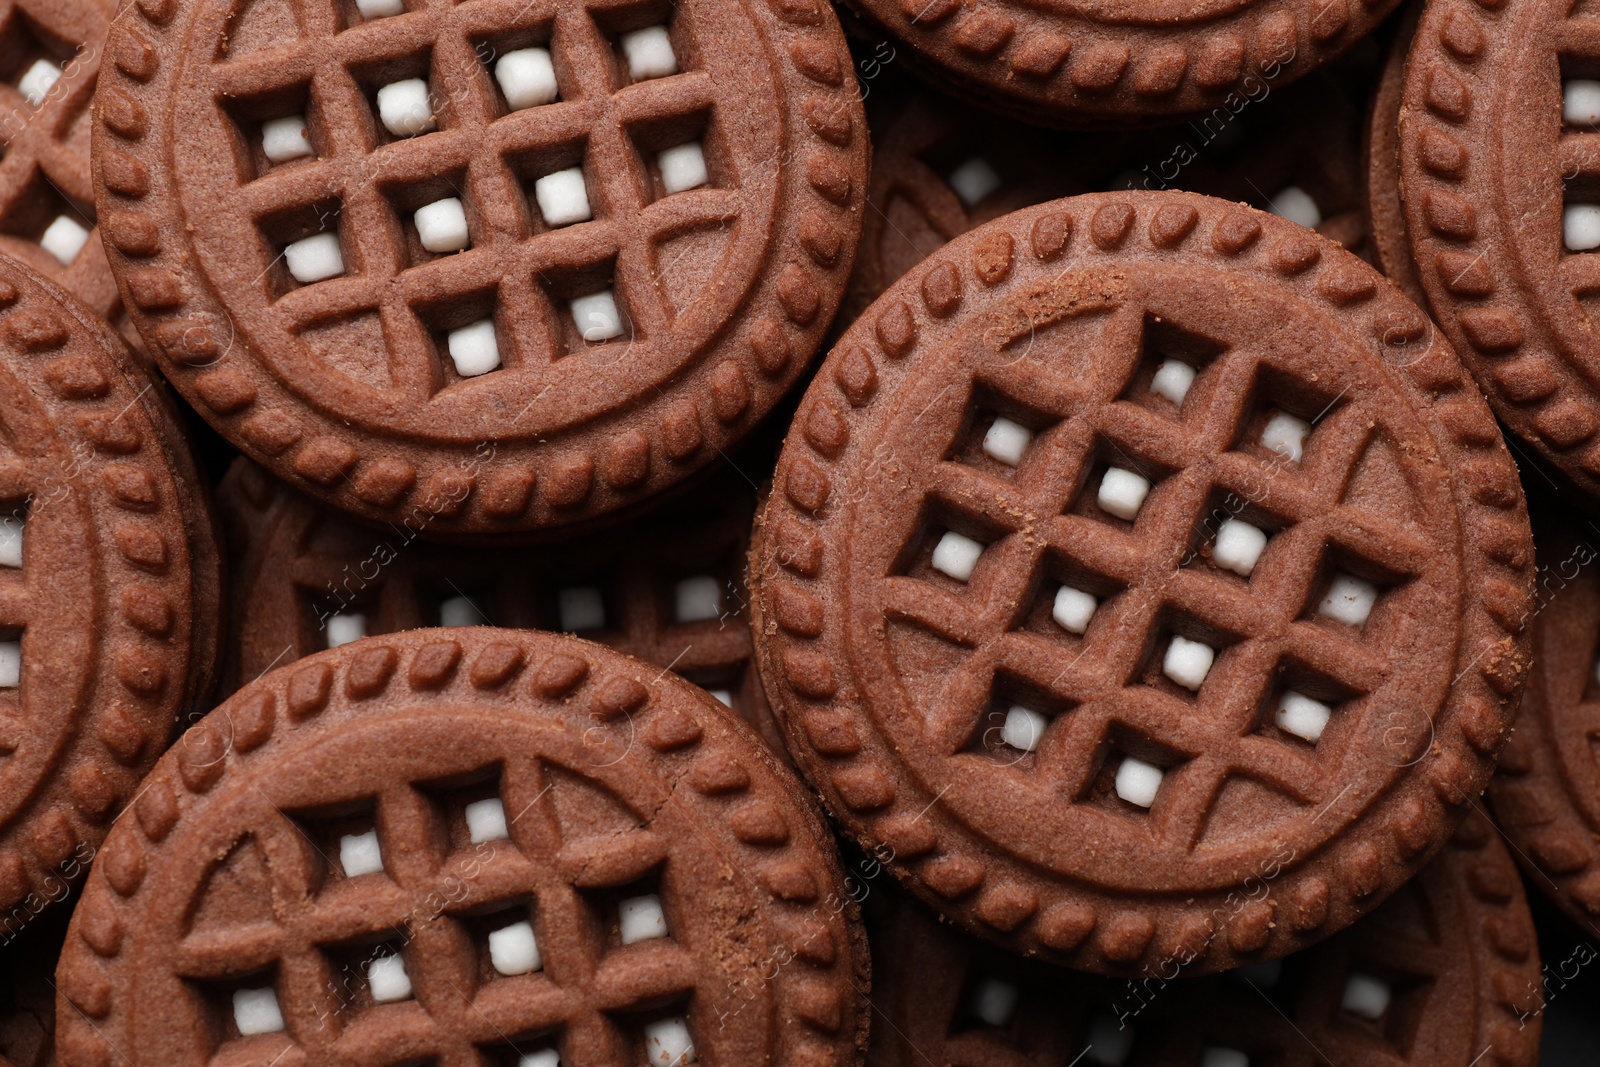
x,y
1132,547
50,54
467,846
1101,64
941,167
109,585
1445,973
1546,794
1500,178
1386,216
505,265
667,588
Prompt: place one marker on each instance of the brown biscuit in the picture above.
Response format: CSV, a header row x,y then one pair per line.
x,y
941,167
667,588
109,584
1101,64
1386,217
1444,974
650,259
1498,173
991,462
467,846
50,55
1546,793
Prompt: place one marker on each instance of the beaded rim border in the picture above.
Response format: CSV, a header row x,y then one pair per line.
x,y
1028,63
1459,245
146,659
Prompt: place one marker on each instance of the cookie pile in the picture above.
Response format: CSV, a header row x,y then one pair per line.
x,y
615,533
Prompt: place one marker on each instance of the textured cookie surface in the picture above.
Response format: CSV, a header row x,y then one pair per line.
x,y
108,583
1087,63
939,168
1386,219
466,847
1498,170
1002,605
667,588
1445,972
1546,793
50,55
500,264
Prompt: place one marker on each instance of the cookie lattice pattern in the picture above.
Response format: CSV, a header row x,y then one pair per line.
x,y
1117,509
539,280
460,924
47,214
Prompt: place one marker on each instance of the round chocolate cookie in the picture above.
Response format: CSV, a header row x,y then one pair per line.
x,y
109,583
1445,974
940,168
1133,547
1103,63
503,265
50,54
467,846
1546,794
1500,177
667,588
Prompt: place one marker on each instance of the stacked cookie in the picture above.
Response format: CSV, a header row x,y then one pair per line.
x,y
986,540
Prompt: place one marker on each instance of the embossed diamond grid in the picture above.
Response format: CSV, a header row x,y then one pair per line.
x,y
44,173
1264,624
526,269
589,994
